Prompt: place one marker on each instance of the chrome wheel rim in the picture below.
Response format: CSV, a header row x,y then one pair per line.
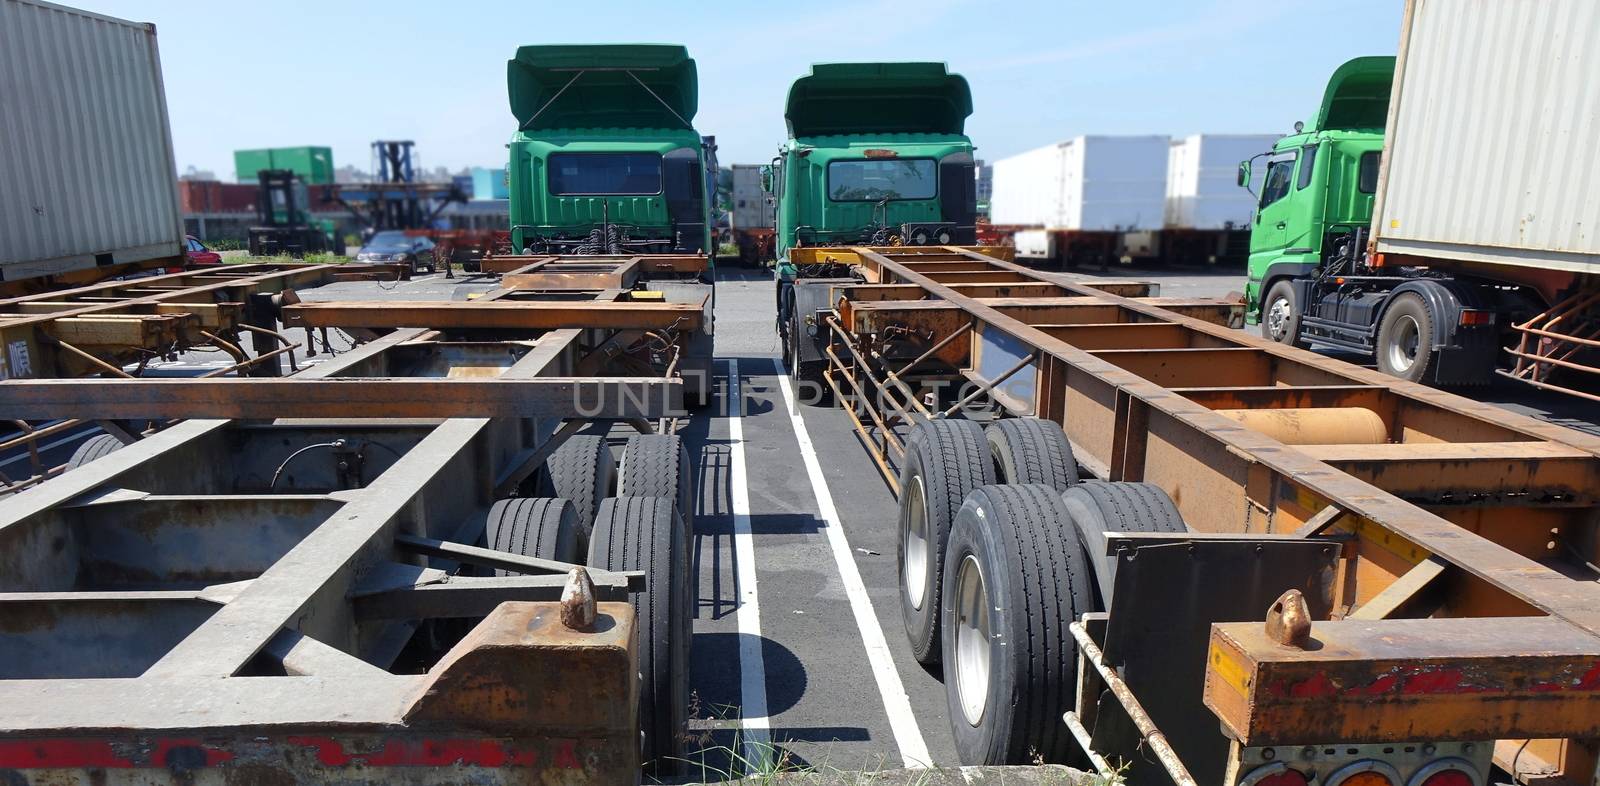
x,y
915,536
972,640
1403,348
1278,318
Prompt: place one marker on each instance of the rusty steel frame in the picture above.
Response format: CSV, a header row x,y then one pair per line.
x,y
1546,343
1502,506
115,320
520,692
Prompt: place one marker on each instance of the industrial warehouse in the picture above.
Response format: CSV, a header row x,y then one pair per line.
x,y
925,438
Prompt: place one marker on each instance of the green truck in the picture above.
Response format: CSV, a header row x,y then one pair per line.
x,y
1443,252
605,158
877,155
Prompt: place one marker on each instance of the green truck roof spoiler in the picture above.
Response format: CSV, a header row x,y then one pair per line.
x,y
1357,95
603,86
888,98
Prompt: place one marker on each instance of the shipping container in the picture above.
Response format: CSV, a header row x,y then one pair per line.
x,y
1202,180
1088,183
1518,184
211,197
314,165
87,171
489,183
751,209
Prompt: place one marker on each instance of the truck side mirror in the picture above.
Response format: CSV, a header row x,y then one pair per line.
x,y
1244,174
766,178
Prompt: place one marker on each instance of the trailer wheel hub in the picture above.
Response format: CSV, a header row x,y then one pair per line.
x,y
915,537
972,639
1403,350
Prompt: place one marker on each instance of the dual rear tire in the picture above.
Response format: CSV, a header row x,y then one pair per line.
x,y
999,542
646,527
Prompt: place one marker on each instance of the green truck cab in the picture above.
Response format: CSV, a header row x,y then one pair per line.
x,y
876,155
1318,191
605,159
1314,279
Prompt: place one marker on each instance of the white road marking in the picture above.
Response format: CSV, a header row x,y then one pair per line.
x,y
907,736
756,734
47,446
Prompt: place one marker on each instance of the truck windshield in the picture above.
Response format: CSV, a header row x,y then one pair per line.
x,y
879,179
609,174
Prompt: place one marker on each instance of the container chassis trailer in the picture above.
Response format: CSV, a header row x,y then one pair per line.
x,y
414,562
1166,547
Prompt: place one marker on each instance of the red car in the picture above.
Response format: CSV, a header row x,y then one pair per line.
x,y
197,253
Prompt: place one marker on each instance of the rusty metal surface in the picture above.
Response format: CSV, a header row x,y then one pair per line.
x,y
502,314
258,598
1503,502
1398,680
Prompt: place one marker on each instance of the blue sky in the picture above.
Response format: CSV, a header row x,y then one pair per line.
x,y
294,72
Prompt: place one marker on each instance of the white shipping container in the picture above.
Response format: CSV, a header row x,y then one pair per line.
x,y
1491,148
87,174
750,208
1088,183
1202,180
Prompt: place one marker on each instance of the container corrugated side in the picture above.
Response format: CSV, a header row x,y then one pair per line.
x,y
87,174
1491,141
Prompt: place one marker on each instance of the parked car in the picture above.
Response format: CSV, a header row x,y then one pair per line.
x,y
197,254
394,246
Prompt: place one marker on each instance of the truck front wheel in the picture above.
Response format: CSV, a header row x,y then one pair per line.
x,y
1405,339
1280,315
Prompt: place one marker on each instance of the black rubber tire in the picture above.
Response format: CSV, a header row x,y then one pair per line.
x,y
533,527
657,465
641,533
945,460
1035,583
96,447
1031,450
1407,305
582,471
1283,290
1098,507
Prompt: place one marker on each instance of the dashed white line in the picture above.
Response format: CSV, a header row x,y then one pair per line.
x,y
756,726
902,721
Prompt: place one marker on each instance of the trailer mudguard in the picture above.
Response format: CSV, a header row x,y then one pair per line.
x,y
1466,352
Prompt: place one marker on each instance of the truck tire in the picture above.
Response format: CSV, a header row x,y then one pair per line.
x,y
657,465
582,472
1014,580
642,533
1031,450
1098,507
1405,339
1280,315
533,527
798,371
945,460
96,447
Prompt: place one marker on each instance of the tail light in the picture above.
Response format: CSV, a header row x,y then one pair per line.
x,y
1446,772
1461,763
1368,772
1472,316
1275,774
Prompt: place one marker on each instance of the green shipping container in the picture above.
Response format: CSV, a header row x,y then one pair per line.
x,y
314,165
